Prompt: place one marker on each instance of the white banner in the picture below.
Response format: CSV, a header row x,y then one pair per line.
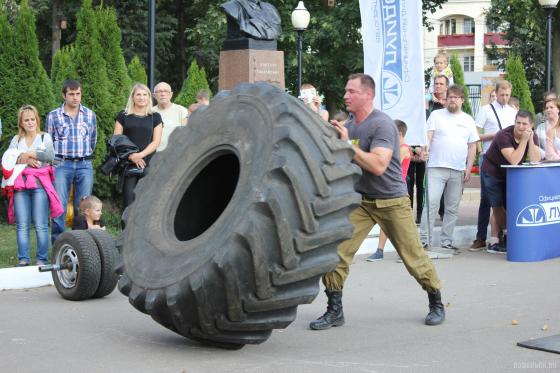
x,y
394,57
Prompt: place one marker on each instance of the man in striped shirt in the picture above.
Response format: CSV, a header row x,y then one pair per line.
x,y
72,127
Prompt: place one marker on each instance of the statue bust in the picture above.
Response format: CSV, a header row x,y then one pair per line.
x,y
252,19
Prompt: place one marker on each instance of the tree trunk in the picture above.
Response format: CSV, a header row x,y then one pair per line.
x,y
556,51
56,32
181,39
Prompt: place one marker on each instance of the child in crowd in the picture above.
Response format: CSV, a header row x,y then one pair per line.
x,y
89,214
406,156
441,67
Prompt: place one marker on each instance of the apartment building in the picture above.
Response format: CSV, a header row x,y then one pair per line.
x,y
460,28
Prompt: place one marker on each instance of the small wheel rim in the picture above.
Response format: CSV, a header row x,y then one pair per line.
x,y
67,277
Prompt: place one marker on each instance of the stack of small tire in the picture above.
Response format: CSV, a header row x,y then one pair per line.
x,y
238,218
91,258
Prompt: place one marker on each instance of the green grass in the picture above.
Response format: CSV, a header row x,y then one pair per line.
x,y
8,244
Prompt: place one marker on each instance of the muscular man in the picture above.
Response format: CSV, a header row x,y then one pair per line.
x,y
452,138
385,202
510,146
173,115
491,118
73,129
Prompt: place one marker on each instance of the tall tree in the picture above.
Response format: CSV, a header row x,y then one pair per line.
x,y
523,23
8,85
110,41
92,70
195,81
137,72
33,84
515,74
63,68
459,79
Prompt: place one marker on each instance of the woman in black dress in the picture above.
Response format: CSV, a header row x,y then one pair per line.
x,y
143,127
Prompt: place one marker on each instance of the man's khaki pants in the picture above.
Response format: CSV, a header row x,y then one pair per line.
x,y
394,216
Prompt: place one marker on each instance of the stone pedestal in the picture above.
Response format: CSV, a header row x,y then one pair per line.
x,y
251,66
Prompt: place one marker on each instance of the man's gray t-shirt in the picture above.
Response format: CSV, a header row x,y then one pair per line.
x,y
378,130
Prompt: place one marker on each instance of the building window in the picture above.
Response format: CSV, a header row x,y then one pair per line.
x,y
490,61
468,26
468,63
448,27
491,29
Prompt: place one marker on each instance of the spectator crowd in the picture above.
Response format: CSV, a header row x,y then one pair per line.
x,y
42,170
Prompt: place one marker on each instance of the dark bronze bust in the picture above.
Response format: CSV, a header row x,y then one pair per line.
x,y
252,19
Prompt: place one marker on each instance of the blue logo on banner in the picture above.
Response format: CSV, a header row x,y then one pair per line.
x,y
539,214
392,69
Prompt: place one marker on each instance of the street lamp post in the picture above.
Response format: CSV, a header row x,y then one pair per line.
x,y
549,7
300,21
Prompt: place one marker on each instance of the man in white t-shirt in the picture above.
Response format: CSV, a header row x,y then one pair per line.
x,y
173,115
452,138
491,118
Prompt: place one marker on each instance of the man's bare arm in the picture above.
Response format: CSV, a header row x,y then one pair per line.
x,y
375,161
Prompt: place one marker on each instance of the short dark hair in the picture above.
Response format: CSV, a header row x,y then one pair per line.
x,y
525,114
401,126
365,80
70,84
441,76
457,90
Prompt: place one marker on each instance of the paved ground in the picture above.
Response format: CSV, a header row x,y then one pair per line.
x,y
384,308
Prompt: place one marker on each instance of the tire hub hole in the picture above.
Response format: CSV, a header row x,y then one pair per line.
x,y
207,196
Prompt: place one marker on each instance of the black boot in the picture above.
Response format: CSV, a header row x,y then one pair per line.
x,y
437,313
334,315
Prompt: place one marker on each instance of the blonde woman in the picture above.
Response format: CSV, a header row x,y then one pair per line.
x,y
31,198
143,127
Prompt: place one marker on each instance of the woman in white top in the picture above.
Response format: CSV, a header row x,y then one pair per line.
x,y
32,204
552,115
552,138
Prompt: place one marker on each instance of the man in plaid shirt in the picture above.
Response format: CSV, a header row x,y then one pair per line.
x,y
72,127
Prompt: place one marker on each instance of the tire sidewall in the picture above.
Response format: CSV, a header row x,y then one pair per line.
x,y
172,173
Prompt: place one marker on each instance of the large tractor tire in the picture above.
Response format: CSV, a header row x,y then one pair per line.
x,y
238,218
109,257
78,251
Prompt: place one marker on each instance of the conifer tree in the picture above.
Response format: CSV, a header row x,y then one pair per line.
x,y
459,79
515,74
62,68
92,71
33,84
8,85
110,40
137,72
194,82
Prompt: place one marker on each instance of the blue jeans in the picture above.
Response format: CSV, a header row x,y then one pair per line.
x,y
32,204
483,209
67,173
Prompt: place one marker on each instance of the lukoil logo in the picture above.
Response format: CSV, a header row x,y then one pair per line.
x,y
545,213
392,71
